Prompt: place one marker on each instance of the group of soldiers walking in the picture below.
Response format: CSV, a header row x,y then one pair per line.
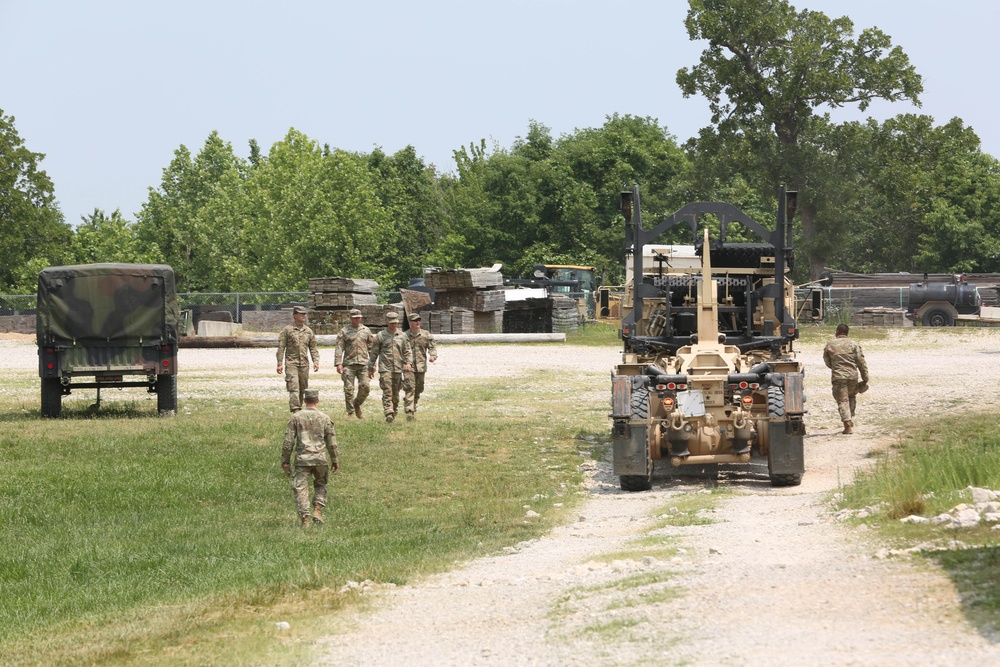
x,y
401,361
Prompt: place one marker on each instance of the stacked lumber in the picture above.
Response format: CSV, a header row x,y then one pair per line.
x,y
879,317
338,284
471,299
439,321
463,278
329,300
487,322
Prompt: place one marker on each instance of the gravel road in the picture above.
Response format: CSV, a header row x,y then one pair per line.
x,y
771,579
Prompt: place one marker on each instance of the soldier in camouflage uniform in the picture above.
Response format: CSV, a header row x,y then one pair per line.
x,y
392,353
354,344
311,435
296,344
424,350
846,359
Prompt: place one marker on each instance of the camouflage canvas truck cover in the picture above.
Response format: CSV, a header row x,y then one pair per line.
x,y
107,326
708,375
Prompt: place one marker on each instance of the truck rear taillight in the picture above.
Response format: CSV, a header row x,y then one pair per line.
x,y
165,349
747,399
668,402
745,385
671,386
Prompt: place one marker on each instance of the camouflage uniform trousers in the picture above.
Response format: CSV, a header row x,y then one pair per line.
x,y
391,383
352,373
320,475
412,395
845,392
296,382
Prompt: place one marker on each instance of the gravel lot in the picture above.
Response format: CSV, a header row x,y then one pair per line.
x,y
772,580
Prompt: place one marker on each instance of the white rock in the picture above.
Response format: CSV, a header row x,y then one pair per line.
x,y
282,625
914,518
991,517
967,518
980,495
532,514
941,519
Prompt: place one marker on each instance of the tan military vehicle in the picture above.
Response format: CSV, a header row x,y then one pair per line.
x,y
708,375
107,326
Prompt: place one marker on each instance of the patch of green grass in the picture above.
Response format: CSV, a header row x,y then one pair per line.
x,y
926,472
596,334
126,538
689,509
611,629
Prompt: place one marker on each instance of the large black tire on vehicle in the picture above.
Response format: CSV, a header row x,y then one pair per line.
x,y
166,394
937,316
640,410
51,397
776,408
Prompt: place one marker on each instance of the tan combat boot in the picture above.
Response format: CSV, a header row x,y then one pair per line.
x,y
304,520
317,515
357,410
848,427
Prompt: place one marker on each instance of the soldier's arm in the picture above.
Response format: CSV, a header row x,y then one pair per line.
x,y
282,344
826,357
432,350
314,349
288,444
331,446
861,363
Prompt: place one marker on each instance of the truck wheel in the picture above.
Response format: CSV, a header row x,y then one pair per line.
x,y
640,410
51,397
166,394
776,408
937,317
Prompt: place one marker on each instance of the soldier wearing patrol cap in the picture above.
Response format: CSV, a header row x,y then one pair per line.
x,y
296,344
391,351
424,349
310,434
354,344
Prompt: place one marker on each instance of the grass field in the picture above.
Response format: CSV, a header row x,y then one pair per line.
x,y
131,539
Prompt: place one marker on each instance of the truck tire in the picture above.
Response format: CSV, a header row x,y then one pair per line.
x,y
51,397
166,394
935,316
640,410
776,408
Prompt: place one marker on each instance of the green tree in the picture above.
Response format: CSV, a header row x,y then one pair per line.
x,y
766,72
31,224
171,223
411,194
99,238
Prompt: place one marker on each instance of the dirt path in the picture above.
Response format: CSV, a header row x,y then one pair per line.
x,y
771,580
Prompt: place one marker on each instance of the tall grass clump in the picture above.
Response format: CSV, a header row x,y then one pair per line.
x,y
929,469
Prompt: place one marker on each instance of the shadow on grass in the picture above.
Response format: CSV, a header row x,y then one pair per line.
x,y
81,411
975,572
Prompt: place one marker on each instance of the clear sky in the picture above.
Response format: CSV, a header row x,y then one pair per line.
x,y
109,89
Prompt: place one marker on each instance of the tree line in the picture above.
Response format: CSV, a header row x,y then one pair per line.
x,y
906,194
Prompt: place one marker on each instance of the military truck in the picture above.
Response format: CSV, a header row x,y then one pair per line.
x,y
708,376
107,326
